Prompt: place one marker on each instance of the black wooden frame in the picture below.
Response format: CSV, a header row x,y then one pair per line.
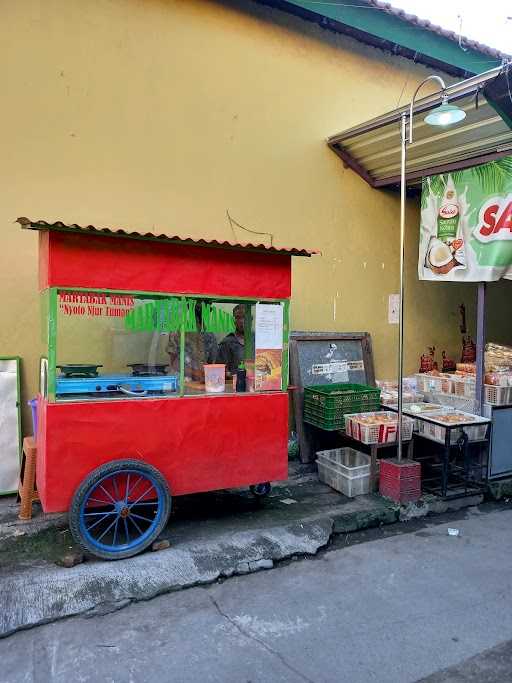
x,y
305,432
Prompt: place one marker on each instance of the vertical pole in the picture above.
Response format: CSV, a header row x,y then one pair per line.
x,y
182,345
480,345
52,343
403,135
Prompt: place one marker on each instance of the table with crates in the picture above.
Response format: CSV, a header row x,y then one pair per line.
x,y
354,411
452,443
447,448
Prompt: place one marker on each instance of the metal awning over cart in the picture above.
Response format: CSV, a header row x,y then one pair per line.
x,y
372,149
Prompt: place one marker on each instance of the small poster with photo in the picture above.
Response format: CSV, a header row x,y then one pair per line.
x,y
268,347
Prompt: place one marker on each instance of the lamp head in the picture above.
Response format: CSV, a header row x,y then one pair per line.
x,y
445,115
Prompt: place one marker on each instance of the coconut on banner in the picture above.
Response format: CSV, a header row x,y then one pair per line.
x,y
466,224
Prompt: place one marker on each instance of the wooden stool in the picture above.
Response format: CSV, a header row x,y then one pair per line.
x,y
27,492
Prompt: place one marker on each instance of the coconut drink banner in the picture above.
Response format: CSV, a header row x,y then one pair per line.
x,y
466,224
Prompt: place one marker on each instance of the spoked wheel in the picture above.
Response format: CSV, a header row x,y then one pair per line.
x,y
120,509
261,490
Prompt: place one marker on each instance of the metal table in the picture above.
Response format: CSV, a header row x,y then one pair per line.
x,y
457,475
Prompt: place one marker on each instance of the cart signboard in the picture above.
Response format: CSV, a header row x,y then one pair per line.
x,y
466,224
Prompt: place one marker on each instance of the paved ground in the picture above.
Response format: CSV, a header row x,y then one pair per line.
x,y
394,610
212,536
492,666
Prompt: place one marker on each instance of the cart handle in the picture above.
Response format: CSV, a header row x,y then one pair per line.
x,y
132,393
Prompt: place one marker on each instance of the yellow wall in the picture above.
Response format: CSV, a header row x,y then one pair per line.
x,y
163,114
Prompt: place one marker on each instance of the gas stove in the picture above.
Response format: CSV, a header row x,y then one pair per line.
x,y
85,380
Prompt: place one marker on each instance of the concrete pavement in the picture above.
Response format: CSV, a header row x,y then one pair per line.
x,y
392,610
212,536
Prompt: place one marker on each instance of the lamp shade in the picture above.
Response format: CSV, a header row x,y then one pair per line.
x,y
445,115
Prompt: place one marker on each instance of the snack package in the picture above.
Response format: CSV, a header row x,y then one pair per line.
x,y
498,357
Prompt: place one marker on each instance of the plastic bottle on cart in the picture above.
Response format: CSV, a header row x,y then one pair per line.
x,y
241,378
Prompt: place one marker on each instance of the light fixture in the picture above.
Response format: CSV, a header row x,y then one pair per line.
x,y
445,114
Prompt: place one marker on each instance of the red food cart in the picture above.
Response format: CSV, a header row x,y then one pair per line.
x,y
125,420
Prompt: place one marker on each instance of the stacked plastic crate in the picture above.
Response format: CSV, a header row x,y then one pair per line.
x,y
400,481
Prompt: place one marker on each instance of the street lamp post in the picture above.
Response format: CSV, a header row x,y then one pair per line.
x,y
443,115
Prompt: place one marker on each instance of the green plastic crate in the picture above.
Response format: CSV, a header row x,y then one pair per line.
x,y
326,405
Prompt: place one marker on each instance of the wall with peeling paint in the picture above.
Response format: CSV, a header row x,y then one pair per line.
x,y
164,114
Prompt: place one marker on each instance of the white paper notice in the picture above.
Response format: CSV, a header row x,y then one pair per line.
x,y
394,309
269,326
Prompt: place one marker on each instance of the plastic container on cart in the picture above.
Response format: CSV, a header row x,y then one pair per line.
x,y
497,395
377,427
345,470
215,378
33,407
435,427
326,405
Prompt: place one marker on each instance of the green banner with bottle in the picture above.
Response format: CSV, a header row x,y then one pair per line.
x,y
466,224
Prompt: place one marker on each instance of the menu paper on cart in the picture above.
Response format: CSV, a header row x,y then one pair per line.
x,y
268,354
466,224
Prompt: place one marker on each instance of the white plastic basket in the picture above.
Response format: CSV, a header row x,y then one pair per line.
x,y
464,386
427,383
436,431
347,461
349,486
462,403
497,396
414,409
390,396
385,432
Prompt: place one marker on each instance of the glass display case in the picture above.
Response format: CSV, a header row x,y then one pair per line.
x,y
108,345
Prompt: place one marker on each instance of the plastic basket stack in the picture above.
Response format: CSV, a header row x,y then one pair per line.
x,y
400,482
326,405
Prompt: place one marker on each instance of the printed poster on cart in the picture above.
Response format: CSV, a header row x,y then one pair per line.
x,y
466,224
268,356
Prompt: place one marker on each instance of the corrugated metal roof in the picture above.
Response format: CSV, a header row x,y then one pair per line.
x,y
176,239
373,149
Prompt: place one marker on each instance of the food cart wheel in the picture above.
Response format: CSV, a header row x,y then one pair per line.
x,y
119,509
261,490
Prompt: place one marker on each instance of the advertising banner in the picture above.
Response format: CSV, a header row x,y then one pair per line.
x,y
466,224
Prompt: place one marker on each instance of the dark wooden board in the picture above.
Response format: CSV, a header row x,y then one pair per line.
x,y
310,356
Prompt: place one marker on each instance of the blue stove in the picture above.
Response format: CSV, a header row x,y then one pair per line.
x,y
127,385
